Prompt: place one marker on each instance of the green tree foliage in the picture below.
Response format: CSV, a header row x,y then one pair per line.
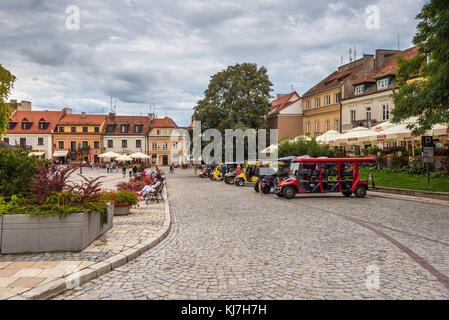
x,y
6,85
237,97
16,172
303,147
427,98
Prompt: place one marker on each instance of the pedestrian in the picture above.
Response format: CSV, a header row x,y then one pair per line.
x,y
196,168
134,170
130,170
224,170
124,171
107,167
172,170
239,170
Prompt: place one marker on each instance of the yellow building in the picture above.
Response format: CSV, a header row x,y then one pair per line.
x,y
322,103
160,145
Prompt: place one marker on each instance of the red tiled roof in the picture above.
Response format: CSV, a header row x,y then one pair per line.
x,y
34,117
129,120
163,123
283,102
333,80
391,67
366,77
77,119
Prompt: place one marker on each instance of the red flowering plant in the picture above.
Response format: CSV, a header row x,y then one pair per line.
x,y
121,198
135,185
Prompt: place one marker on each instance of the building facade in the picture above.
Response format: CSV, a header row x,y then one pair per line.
x,y
33,130
126,134
160,145
370,101
78,137
286,115
322,103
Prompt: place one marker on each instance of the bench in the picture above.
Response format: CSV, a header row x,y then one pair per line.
x,y
154,196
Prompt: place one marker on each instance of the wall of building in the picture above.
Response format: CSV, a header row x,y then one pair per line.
x,y
375,101
131,144
157,154
32,141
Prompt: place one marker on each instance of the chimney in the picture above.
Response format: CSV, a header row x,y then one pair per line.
x,y
25,106
83,115
67,111
151,116
111,115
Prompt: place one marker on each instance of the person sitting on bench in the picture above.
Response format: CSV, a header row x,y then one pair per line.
x,y
152,188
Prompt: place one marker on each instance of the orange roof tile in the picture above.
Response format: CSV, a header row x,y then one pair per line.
x,y
129,120
78,119
282,102
163,123
34,117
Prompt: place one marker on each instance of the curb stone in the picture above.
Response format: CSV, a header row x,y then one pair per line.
x,y
58,286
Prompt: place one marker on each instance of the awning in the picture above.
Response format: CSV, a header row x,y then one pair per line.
x,y
60,154
36,153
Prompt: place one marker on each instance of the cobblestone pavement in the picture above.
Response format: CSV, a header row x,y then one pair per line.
x,y
22,272
228,242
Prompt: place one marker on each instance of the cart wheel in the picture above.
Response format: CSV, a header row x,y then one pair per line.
x,y
360,192
256,187
289,192
280,194
347,193
240,182
266,189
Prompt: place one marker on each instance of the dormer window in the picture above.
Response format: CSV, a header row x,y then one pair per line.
x,y
110,128
359,89
383,83
26,125
124,128
43,125
11,125
138,128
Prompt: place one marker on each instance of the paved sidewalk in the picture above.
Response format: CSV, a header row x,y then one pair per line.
x,y
20,273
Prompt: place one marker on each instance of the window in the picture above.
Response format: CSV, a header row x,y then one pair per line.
x,y
6,140
154,145
23,142
43,125
61,129
73,129
154,158
164,145
337,97
317,102
308,127
110,144
85,144
138,143
368,113
61,144
97,129
359,89
164,132
72,145
138,128
124,143
110,128
308,105
85,129
26,125
328,125
382,84
337,125
385,112
124,128
327,100
317,126
40,141
352,115
158,132
96,144
175,146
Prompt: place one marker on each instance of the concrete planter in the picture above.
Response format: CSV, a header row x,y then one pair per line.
x,y
22,233
121,211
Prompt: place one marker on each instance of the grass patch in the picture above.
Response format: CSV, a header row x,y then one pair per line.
x,y
405,181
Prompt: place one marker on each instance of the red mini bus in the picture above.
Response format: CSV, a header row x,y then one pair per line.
x,y
323,175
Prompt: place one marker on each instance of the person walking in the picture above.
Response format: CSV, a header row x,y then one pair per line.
x,y
107,167
172,170
196,168
130,170
134,170
224,170
124,171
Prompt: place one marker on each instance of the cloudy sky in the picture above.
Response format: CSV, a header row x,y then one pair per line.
x,y
163,52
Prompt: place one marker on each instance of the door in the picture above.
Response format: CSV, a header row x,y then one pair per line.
x,y
165,160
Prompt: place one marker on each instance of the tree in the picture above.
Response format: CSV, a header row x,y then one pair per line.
x,y
424,80
237,97
6,85
302,147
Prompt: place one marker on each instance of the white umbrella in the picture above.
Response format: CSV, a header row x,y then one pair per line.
x,y
306,138
383,126
358,135
327,136
439,130
271,149
139,155
124,157
109,155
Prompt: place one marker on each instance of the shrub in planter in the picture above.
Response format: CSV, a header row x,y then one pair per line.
x,y
121,198
131,186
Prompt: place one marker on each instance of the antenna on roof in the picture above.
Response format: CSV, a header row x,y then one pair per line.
x,y
398,42
111,104
293,88
350,54
115,105
341,60
355,54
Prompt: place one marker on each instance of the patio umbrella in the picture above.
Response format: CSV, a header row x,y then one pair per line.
x,y
358,135
327,136
124,157
109,155
439,130
383,126
271,149
306,138
139,155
